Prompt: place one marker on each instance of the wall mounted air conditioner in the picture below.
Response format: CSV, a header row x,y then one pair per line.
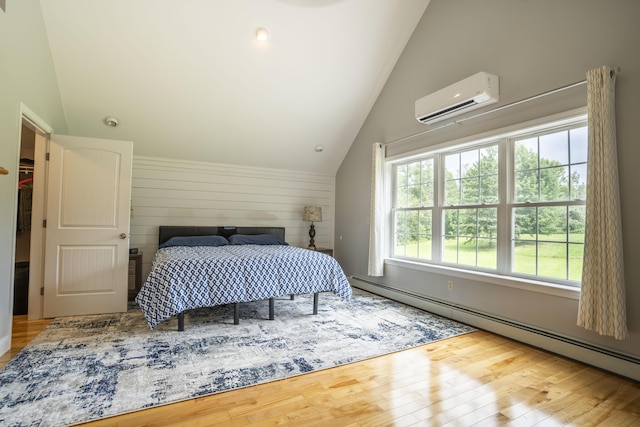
x,y
473,92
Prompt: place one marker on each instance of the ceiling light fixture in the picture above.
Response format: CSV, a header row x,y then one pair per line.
x,y
319,148
262,34
111,122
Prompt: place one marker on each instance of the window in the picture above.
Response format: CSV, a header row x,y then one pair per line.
x,y
414,197
471,207
513,205
548,209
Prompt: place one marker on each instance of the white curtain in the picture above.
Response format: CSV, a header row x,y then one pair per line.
x,y
376,217
602,299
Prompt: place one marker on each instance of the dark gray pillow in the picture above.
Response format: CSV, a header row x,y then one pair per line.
x,y
195,241
256,239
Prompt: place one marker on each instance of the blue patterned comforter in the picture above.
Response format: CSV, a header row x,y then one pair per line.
x,y
184,278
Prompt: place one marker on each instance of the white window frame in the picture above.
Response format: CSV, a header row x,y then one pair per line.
x,y
502,274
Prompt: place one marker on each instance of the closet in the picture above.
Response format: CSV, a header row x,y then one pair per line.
x,y
23,222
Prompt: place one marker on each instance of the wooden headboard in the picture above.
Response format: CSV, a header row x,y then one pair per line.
x,y
165,232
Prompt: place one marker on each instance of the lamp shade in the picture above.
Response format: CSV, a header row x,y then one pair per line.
x,y
312,213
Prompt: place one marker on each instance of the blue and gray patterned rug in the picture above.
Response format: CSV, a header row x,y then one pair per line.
x,y
84,368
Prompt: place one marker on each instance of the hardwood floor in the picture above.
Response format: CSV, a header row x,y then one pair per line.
x,y
22,333
474,379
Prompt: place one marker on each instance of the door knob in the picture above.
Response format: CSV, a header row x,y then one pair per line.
x,y
123,235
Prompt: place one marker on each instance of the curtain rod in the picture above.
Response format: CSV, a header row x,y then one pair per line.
x,y
531,98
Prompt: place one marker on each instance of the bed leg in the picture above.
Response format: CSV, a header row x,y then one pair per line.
x,y
315,303
236,313
272,307
292,297
181,321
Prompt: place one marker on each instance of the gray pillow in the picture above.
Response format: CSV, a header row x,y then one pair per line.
x,y
194,241
255,239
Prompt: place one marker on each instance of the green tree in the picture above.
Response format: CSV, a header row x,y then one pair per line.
x,y
538,179
477,184
414,190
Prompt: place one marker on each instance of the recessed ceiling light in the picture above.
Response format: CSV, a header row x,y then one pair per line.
x,y
262,34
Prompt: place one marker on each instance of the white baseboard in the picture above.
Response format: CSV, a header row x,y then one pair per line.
x,y
5,344
602,358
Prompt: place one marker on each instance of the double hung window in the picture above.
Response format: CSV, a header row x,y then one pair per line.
x,y
513,205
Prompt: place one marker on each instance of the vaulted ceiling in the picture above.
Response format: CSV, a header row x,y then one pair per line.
x,y
188,80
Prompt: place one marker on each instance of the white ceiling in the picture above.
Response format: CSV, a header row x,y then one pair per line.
x,y
187,80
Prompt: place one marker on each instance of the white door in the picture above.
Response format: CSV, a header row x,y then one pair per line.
x,y
87,229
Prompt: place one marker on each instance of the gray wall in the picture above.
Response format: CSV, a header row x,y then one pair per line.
x,y
534,46
26,76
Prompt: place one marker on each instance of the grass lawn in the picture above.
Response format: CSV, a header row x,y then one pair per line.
x,y
553,256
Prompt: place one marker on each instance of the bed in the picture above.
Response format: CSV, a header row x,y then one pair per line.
x,y
197,266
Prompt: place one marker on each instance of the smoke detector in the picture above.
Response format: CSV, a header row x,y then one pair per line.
x,y
111,122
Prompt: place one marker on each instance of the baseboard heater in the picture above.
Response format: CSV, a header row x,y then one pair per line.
x,y
600,357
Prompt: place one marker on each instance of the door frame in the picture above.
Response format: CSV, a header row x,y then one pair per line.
x,y
36,256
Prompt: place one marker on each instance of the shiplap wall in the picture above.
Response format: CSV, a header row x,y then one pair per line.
x,y
175,192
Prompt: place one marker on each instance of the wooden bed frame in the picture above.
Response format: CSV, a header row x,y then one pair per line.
x,y
165,232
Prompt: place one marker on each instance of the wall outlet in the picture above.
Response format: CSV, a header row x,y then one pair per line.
x,y
450,285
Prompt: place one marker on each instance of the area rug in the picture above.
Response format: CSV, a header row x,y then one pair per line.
x,y
83,368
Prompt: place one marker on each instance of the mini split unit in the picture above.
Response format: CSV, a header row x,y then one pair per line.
x,y
473,92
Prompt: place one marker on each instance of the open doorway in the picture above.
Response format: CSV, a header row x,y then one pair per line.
x,y
57,156
55,246
23,222
34,134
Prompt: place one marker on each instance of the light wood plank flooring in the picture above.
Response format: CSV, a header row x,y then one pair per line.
x,y
22,333
474,379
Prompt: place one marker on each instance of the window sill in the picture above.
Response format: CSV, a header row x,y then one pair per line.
x,y
495,279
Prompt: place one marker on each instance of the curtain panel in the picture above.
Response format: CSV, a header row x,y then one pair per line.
x,y
376,216
602,306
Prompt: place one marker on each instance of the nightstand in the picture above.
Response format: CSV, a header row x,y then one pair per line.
x,y
135,274
325,251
